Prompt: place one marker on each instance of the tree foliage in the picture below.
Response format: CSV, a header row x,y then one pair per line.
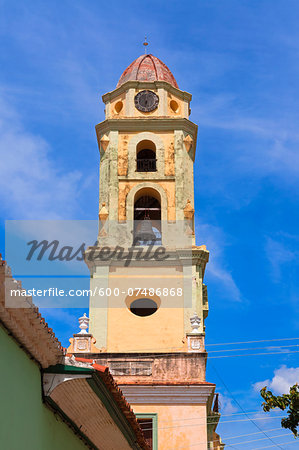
x,y
286,401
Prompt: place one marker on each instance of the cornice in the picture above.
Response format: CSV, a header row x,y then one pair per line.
x,y
182,257
191,394
151,177
147,124
146,85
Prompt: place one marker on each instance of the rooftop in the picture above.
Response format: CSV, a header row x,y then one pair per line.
x,y
147,68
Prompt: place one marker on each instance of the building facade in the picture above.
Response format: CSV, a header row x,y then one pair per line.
x,y
49,400
149,302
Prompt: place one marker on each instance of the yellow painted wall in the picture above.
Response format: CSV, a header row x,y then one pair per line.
x,y
159,332
174,431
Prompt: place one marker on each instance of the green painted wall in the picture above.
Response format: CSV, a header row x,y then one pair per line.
x,y
25,422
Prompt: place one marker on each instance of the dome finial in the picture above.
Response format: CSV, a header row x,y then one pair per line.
x,y
145,43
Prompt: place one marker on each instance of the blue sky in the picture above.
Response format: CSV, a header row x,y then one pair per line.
x,y
239,59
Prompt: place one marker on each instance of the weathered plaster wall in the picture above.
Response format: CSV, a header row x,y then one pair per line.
x,y
170,103
151,368
116,328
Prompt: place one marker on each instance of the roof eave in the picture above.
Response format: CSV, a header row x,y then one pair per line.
x,y
105,389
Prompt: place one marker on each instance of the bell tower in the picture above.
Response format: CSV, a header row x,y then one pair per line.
x,y
149,304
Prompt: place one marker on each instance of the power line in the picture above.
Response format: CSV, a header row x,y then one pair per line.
x,y
238,443
213,423
236,401
223,415
262,439
253,342
174,349
250,434
252,348
253,354
282,443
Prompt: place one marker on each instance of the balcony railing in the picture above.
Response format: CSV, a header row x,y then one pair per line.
x,y
146,165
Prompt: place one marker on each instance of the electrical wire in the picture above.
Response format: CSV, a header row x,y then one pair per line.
x,y
222,415
174,349
237,443
254,342
239,405
253,348
213,423
282,443
253,354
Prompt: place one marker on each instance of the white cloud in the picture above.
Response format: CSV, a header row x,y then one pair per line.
x,y
215,240
284,377
279,254
226,406
271,139
31,184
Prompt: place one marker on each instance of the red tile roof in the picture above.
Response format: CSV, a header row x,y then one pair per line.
x,y
118,396
26,324
147,68
168,383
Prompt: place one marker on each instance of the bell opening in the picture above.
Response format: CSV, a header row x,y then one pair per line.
x,y
147,221
146,157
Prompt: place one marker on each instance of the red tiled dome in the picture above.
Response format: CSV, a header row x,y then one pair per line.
x,y
147,68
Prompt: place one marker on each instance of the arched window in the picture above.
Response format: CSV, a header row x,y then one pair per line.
x,y
147,217
146,157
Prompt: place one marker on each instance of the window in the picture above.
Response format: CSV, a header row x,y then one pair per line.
x,y
149,425
143,307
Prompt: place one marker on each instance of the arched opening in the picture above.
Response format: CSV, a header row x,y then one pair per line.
x,y
146,157
147,217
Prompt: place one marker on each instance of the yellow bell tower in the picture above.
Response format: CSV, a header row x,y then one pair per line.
x,y
149,303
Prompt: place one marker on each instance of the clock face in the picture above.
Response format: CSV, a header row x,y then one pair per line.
x,y
146,101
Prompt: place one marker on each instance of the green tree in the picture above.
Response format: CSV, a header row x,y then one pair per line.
x,y
290,401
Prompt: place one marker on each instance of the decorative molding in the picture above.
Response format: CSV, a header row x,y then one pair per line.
x,y
195,323
103,216
147,124
104,141
188,211
82,342
183,95
188,141
196,342
132,368
192,394
83,324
